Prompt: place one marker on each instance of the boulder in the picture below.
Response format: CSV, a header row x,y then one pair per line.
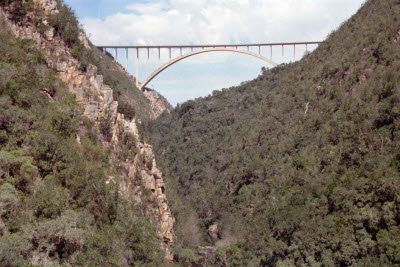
x,y
97,81
82,37
61,67
50,34
50,6
213,232
107,94
2,227
92,111
148,181
91,70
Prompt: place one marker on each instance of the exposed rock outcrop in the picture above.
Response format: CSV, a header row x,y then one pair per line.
x,y
96,98
157,102
213,232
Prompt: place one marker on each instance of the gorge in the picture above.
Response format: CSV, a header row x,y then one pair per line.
x,y
298,167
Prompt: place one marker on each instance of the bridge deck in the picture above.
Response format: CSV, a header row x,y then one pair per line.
x,y
207,46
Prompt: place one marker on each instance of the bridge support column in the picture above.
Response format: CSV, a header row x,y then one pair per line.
x,y
170,54
148,62
126,59
259,50
137,67
270,48
294,53
283,54
115,54
159,56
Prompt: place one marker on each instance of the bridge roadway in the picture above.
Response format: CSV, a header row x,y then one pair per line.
x,y
194,50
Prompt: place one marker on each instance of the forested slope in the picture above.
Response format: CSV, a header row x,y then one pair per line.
x,y
302,164
61,201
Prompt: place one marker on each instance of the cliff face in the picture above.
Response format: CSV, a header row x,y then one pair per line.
x,y
142,182
157,102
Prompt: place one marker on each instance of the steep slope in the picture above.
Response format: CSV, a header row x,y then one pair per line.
x,y
77,186
55,205
132,102
299,166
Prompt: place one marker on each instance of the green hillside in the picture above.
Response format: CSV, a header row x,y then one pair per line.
x,y
300,166
55,205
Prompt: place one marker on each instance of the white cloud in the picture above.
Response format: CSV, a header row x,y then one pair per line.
x,y
179,22
149,8
220,21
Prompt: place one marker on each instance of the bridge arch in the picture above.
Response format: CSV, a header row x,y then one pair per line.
x,y
173,61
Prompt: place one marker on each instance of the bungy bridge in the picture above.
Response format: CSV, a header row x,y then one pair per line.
x,y
186,51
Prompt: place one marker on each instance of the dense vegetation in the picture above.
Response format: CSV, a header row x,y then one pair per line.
x,y
55,204
131,101
300,166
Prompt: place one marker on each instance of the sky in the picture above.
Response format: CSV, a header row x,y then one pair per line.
x,y
196,22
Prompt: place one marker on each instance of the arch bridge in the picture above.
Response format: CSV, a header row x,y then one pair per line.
x,y
186,51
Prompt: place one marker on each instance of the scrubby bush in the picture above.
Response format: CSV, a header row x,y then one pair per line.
x,y
128,146
66,25
17,8
126,109
105,127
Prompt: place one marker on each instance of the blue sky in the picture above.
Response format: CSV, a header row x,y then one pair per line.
x,y
180,22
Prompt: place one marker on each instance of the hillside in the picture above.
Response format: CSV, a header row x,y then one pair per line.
x,y
132,102
77,185
300,166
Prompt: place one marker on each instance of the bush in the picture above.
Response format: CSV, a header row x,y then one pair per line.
x,y
105,128
17,8
128,147
149,164
126,109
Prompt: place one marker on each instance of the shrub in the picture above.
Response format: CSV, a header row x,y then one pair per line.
x,y
126,109
105,127
17,8
149,164
128,147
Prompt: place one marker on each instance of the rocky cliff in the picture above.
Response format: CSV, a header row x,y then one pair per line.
x,y
158,103
142,182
